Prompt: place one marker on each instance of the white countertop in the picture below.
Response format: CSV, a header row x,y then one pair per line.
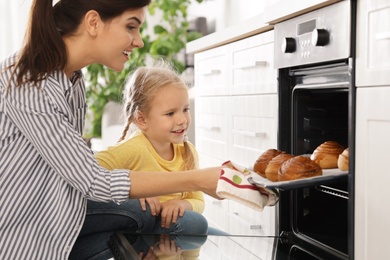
x,y
286,9
280,11
252,26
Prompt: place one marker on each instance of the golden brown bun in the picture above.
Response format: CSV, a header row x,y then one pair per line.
x,y
298,167
271,172
342,162
262,162
327,154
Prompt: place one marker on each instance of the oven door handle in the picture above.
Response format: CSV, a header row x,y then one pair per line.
x,y
343,84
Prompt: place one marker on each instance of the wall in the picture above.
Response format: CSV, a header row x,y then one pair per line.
x,y
224,13
13,20
219,13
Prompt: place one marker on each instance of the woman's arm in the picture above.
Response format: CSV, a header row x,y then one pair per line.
x,y
149,184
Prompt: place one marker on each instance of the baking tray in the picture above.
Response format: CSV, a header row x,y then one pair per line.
x,y
328,176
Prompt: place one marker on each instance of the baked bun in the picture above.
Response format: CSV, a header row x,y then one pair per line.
x,y
298,167
262,162
271,172
327,154
342,162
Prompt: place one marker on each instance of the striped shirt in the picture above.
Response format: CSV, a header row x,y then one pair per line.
x,y
46,169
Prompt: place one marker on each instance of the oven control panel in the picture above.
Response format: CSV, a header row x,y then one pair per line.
x,y
319,36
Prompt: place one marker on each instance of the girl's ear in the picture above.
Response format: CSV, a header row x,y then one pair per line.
x,y
91,22
140,121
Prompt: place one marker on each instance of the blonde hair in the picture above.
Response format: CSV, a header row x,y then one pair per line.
x,y
140,89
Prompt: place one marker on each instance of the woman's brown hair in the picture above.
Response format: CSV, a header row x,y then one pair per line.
x,y
142,86
44,50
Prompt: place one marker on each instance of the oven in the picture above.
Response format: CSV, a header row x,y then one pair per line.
x,y
314,55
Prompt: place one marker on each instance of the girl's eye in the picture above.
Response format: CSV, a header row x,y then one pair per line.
x,y
170,114
187,109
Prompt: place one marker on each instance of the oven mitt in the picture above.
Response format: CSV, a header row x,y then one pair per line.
x,y
233,184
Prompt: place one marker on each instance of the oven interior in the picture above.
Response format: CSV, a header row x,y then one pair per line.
x,y
318,111
319,115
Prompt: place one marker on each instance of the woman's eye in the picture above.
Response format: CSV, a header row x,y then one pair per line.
x,y
186,109
130,27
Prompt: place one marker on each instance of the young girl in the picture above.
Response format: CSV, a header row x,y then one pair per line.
x,y
47,171
157,104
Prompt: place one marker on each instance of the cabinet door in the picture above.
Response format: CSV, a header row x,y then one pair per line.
x,y
372,177
373,43
211,129
217,213
252,65
253,124
246,221
211,72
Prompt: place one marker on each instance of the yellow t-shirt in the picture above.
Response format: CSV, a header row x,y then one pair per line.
x,y
138,154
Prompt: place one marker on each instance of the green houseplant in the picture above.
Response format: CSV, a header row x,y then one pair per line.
x,y
169,39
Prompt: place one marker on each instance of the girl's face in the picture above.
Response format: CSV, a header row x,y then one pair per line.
x,y
169,116
119,37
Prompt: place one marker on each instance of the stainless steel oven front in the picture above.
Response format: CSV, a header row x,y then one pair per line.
x,y
314,55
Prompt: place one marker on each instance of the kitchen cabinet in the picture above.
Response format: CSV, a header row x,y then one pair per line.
x,y
372,129
236,119
372,174
373,42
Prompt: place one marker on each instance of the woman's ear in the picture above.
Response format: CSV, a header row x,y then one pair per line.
x,y
140,121
91,22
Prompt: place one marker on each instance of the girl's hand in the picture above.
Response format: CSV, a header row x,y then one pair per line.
x,y
171,210
150,255
154,204
167,247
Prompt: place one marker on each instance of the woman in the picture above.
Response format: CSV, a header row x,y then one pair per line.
x,y
47,172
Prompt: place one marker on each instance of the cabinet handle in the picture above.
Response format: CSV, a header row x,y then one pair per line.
x,y
382,36
253,227
210,72
250,65
210,128
245,222
248,133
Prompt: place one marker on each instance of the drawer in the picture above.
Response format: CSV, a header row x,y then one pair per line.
x,y
243,220
260,248
211,129
234,250
208,161
254,127
251,222
211,70
240,225
209,250
252,65
216,212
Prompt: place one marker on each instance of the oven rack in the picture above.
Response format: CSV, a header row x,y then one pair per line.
x,y
333,191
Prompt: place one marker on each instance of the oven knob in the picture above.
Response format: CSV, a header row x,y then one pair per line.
x,y
289,45
319,37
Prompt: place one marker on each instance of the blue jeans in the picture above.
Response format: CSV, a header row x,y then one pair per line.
x,y
102,219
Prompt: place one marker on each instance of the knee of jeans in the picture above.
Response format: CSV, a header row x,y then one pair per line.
x,y
191,223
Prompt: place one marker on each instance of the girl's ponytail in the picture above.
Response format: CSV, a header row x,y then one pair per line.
x,y
190,160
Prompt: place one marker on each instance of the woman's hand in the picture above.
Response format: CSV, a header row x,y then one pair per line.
x,y
154,204
208,181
